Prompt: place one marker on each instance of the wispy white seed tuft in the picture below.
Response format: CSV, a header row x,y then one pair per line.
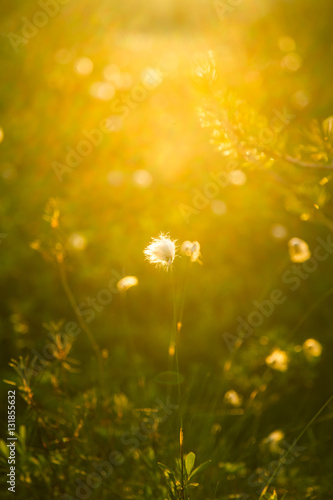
x,y
278,360
232,398
312,349
127,282
161,251
192,250
298,250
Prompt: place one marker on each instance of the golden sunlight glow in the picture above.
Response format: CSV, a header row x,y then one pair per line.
x,y
160,163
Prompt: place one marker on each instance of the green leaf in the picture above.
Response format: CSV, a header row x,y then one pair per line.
x,y
165,469
200,468
10,382
22,433
189,462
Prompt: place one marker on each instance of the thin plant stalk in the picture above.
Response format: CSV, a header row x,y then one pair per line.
x,y
295,442
183,293
85,328
181,442
181,433
175,343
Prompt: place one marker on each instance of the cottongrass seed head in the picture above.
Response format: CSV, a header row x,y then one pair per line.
x,y
278,360
312,349
161,251
127,282
298,250
192,250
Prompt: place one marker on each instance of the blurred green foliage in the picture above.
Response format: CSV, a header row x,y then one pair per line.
x,y
165,67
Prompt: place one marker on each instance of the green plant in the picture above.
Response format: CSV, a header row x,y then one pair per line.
x,y
180,479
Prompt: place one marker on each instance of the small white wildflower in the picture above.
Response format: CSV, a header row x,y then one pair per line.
x,y
161,251
192,250
233,398
273,441
312,349
275,436
278,360
298,250
127,282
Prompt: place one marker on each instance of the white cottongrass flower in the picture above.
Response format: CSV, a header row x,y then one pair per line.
x,y
127,282
192,250
161,251
298,250
278,360
275,436
312,349
273,441
233,398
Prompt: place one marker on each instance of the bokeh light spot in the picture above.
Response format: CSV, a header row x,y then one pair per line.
x,y
291,62
287,44
77,241
115,178
279,231
83,66
142,178
102,90
300,99
237,177
218,207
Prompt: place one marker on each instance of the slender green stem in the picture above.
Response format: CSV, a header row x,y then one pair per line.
x,y
72,301
183,291
176,344
181,442
181,435
310,311
281,462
